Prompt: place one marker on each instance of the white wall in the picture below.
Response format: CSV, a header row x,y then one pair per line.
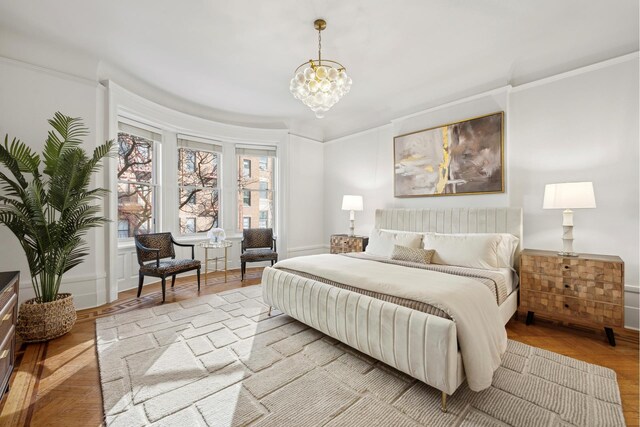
x,y
30,96
582,125
305,198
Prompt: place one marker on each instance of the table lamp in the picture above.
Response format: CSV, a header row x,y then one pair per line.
x,y
567,196
352,204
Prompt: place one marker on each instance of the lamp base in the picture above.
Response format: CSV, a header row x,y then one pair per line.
x,y
573,254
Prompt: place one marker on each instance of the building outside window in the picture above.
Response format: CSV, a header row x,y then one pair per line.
x,y
256,195
199,185
246,222
136,179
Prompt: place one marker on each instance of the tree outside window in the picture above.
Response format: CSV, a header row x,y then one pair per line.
x,y
198,207
135,185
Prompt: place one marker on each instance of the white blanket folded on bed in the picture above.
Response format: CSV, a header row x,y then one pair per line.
x,y
481,334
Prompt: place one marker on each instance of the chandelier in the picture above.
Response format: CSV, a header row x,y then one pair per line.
x,y
320,83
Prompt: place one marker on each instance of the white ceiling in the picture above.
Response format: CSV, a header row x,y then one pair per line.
x,y
237,56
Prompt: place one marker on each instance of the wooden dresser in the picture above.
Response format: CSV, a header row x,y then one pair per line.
x,y
341,243
587,289
9,285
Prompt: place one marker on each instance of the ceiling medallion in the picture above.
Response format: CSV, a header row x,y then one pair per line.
x,y
320,83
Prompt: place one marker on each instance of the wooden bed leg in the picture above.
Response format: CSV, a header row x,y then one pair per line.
x,y
269,313
443,404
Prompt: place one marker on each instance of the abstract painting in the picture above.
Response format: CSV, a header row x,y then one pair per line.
x,y
458,158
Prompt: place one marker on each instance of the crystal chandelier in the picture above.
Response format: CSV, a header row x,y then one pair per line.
x,y
320,83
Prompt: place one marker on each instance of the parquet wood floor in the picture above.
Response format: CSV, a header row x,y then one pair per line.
x,y
57,383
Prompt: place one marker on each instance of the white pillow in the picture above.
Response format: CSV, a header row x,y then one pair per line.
x,y
465,250
507,249
381,242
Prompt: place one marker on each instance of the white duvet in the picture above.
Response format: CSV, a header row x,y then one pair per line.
x,y
482,336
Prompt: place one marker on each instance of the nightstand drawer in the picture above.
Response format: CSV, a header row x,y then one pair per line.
x,y
586,269
601,313
542,302
594,291
543,283
341,243
547,265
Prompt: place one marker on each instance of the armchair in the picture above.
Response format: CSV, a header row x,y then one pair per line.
x,y
258,244
152,251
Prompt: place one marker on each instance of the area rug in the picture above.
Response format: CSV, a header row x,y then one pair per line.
x,y
219,360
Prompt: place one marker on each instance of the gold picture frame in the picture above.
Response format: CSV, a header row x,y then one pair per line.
x,y
459,158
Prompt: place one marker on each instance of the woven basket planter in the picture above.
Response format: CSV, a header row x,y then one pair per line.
x,y
44,321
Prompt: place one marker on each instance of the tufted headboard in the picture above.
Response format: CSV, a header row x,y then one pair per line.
x,y
454,220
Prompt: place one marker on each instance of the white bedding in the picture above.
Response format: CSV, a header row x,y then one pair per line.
x,y
481,333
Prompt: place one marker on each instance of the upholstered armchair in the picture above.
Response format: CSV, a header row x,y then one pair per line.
x,y
153,251
258,244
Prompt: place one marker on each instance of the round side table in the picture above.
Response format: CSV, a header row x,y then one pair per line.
x,y
223,244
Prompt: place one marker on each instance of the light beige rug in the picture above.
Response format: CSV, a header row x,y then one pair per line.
x,y
218,360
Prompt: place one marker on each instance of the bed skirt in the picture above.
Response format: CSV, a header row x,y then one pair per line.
x,y
421,345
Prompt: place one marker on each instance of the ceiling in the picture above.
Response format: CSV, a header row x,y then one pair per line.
x,y
237,56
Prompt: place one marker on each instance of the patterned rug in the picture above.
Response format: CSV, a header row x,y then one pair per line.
x,y
219,360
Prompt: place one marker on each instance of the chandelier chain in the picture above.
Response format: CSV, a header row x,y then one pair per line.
x,y
319,47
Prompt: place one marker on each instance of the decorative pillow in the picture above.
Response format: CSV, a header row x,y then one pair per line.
x,y
419,255
465,250
381,242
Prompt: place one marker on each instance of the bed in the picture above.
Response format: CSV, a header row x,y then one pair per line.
x,y
446,334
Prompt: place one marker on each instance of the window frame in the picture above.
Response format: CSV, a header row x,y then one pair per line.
x,y
271,155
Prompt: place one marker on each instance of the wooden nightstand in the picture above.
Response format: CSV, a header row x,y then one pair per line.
x,y
587,289
341,243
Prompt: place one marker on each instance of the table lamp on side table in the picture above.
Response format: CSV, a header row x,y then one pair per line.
x,y
567,196
352,204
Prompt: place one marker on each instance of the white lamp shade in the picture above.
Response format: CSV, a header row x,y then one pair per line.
x,y
569,195
351,203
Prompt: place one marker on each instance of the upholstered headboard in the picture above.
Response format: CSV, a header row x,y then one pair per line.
x,y
454,220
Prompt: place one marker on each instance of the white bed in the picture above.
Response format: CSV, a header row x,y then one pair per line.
x,y
423,345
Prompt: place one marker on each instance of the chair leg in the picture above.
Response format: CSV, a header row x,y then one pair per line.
x,y
243,267
173,280
198,280
164,285
272,262
140,281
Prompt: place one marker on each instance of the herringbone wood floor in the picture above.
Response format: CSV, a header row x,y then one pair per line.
x,y
57,383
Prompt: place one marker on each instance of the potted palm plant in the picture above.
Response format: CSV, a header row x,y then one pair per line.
x,y
50,211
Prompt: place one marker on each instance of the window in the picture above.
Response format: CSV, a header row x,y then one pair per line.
x,y
190,225
264,186
198,183
264,218
264,163
123,229
246,168
256,196
136,180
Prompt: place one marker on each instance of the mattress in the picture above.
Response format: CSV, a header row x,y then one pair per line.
x,y
500,283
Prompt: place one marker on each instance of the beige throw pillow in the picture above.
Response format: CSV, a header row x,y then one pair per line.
x,y
418,255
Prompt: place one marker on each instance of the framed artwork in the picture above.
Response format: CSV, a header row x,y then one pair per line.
x,y
464,157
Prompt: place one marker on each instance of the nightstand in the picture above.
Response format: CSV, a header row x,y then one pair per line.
x,y
341,243
587,289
